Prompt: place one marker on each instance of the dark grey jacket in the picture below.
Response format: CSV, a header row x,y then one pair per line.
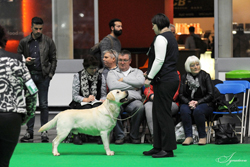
x,y
47,53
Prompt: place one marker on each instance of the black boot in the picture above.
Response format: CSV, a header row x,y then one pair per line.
x,y
99,140
77,140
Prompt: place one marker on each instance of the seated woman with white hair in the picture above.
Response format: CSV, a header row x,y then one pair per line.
x,y
196,95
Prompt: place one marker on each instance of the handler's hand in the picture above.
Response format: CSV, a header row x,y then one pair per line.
x,y
147,83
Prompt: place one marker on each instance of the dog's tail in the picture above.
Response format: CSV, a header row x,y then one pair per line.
x,y
49,124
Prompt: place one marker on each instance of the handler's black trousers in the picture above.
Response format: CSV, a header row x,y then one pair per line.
x,y
163,124
10,126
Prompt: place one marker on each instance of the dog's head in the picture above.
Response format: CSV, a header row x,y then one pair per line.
x,y
118,96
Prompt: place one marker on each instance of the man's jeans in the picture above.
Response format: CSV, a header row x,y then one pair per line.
x,y
42,84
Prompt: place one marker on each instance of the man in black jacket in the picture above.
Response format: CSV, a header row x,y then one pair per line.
x,y
40,54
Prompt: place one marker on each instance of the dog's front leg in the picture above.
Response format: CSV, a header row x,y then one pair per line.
x,y
105,140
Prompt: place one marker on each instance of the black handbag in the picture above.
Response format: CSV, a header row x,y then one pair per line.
x,y
225,134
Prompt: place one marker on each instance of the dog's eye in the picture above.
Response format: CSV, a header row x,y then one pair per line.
x,y
117,92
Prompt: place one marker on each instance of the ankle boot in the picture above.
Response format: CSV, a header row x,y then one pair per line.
x,y
77,140
202,141
188,141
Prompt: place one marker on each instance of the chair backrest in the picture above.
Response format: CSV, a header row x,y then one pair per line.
x,y
231,88
244,82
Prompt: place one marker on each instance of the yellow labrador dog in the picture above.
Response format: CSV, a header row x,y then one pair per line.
x,y
97,121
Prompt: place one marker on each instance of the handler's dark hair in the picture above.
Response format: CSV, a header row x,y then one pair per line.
x,y
3,37
36,20
161,20
90,60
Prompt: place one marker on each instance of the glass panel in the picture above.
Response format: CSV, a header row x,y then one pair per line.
x,y
18,22
83,27
241,28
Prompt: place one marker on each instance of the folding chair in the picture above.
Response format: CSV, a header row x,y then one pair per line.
x,y
234,89
247,86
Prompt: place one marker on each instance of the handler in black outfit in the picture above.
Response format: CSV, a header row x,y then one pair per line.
x,y
162,74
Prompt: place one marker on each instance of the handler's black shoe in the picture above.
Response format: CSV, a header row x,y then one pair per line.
x,y
28,137
119,141
77,140
44,137
163,154
135,141
152,151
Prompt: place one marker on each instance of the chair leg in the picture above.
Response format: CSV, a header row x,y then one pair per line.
x,y
144,128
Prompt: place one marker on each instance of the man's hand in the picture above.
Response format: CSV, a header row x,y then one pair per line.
x,y
147,83
121,79
30,60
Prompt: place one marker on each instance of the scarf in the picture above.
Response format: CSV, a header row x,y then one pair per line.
x,y
85,88
193,84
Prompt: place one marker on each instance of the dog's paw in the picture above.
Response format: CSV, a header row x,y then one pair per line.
x,y
56,154
110,153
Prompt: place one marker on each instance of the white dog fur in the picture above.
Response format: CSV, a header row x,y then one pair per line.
x,y
97,121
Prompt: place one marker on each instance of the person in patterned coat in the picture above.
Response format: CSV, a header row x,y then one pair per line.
x,y
13,114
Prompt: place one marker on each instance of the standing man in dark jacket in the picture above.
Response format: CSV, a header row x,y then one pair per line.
x,y
40,54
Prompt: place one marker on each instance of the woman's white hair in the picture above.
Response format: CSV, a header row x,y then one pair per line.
x,y
191,59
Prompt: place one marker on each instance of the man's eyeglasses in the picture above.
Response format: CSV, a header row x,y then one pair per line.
x,y
123,60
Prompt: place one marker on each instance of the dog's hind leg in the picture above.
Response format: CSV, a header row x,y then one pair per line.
x,y
105,140
59,138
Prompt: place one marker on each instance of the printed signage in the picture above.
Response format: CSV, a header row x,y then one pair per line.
x,y
193,8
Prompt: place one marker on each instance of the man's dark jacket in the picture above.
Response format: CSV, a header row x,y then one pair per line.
x,y
47,53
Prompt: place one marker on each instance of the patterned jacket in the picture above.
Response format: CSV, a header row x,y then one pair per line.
x,y
13,74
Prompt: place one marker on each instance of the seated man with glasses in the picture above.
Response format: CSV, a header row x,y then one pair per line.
x,y
130,79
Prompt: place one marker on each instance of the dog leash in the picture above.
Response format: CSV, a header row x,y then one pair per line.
x,y
135,111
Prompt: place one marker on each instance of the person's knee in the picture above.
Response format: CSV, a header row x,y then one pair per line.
x,y
184,109
43,107
197,112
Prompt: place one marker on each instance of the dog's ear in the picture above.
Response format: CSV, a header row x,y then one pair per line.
x,y
111,96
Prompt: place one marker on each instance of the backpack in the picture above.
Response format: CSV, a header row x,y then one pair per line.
x,y
200,44
221,104
96,51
